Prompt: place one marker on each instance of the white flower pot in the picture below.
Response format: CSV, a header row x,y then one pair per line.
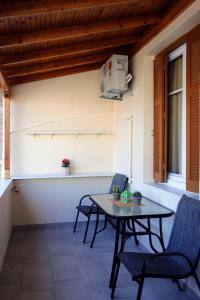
x,y
66,171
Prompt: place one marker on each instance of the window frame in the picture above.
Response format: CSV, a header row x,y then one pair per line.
x,y
192,40
173,179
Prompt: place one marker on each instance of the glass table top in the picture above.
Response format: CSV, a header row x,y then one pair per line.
x,y
148,208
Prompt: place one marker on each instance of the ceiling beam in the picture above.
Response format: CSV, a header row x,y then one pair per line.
x,y
172,11
58,64
53,74
29,8
4,85
7,135
83,48
77,30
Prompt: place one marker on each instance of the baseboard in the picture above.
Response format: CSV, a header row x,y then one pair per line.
x,y
5,247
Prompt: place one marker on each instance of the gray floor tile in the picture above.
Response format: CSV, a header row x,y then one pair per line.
x,y
37,236
58,248
37,252
11,273
20,236
70,289
58,234
47,235
37,276
63,267
76,294
17,250
69,284
38,295
10,293
54,264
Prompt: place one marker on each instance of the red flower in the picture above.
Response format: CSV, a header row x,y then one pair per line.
x,y
65,162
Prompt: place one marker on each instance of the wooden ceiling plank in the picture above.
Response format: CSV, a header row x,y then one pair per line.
x,y
169,14
78,30
172,12
11,60
53,74
29,8
59,64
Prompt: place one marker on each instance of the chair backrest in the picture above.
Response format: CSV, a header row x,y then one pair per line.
x,y
185,235
120,180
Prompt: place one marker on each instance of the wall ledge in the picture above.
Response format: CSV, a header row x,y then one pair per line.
x,y
5,184
57,176
173,190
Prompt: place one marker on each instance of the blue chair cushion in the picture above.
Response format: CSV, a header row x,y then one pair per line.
x,y
87,210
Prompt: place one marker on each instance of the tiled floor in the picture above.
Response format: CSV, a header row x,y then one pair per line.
x,y
53,264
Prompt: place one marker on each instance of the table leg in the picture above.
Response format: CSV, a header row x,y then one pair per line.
x,y
133,229
117,233
123,235
150,236
105,225
161,234
117,263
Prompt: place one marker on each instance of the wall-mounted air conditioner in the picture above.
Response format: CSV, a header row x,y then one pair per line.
x,y
115,77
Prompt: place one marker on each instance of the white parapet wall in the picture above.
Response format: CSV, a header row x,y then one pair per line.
x,y
5,216
54,199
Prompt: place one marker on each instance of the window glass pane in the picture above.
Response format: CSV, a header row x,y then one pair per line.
x,y
175,74
175,133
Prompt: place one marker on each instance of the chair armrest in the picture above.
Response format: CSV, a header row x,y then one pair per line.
x,y
82,198
166,254
88,196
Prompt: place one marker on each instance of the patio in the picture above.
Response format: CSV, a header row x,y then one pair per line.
x,y
89,90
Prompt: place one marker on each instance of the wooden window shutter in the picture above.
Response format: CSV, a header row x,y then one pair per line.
x,y
193,111
160,168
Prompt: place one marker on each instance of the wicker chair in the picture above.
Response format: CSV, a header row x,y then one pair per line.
x,y
88,210
181,257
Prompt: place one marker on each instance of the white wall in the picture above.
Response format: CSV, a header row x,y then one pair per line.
x,y
5,221
41,201
140,105
73,103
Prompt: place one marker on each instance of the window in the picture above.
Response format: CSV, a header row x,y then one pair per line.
x,y
176,107
176,113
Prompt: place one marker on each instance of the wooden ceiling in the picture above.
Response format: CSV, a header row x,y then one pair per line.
x,y
50,38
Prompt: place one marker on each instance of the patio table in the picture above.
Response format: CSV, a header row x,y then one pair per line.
x,y
123,219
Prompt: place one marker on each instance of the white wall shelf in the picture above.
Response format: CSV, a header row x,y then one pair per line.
x,y
76,133
51,176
